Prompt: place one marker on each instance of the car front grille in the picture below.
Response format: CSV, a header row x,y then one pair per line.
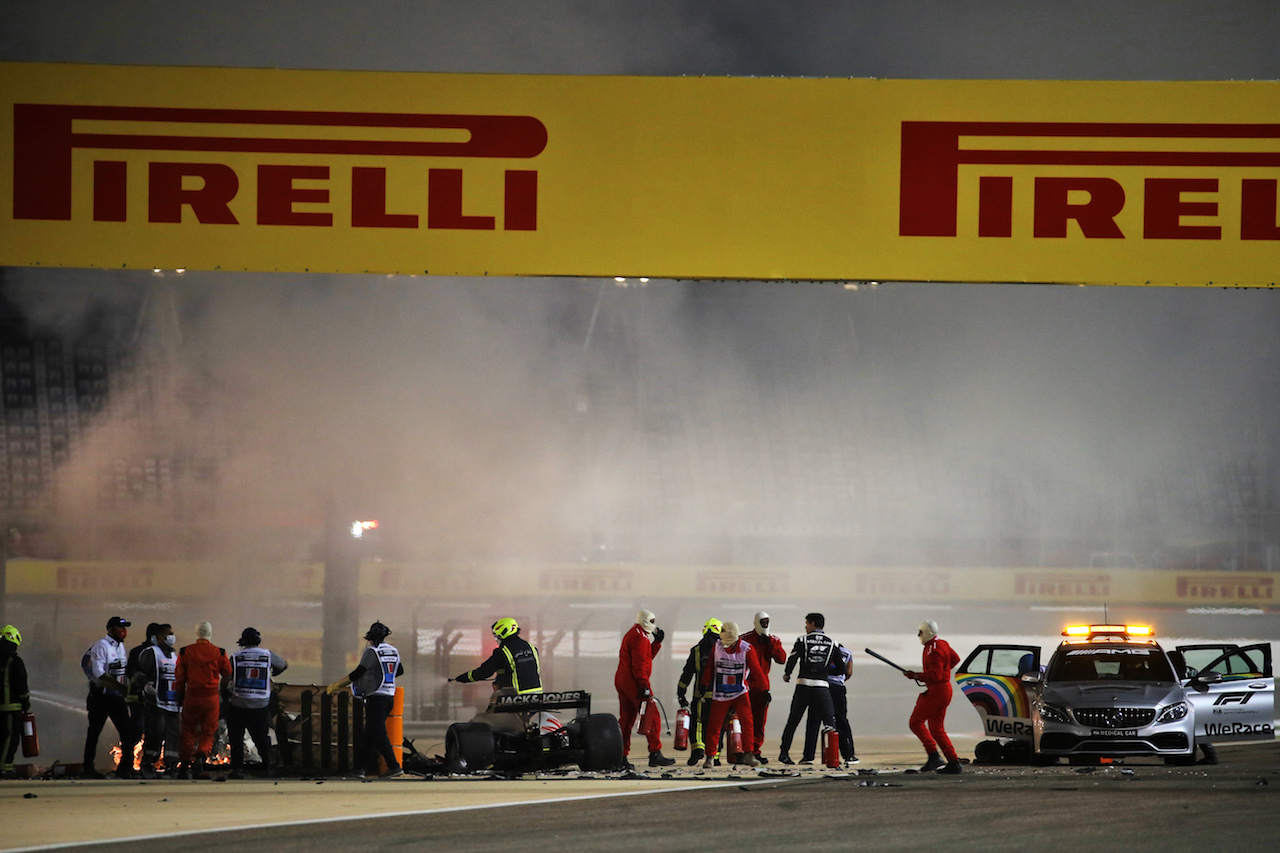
x,y
1115,718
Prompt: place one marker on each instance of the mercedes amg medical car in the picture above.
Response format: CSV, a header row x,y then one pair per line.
x,y
1111,691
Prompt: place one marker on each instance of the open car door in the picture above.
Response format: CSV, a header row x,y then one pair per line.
x,y
1233,694
990,678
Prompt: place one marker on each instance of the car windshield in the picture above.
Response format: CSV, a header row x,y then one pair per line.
x,y
1110,663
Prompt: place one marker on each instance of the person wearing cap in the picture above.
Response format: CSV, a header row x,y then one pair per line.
x,y
157,671
692,674
15,698
640,646
104,665
769,651
198,678
928,717
251,670
374,683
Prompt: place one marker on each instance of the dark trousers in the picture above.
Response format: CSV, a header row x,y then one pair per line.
x,y
376,710
815,700
10,737
698,722
163,731
103,706
255,721
840,706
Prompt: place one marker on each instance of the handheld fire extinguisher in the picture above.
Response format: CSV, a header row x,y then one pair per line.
x,y
682,729
30,737
648,718
735,737
831,748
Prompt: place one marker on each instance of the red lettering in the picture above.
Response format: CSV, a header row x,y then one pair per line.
x,y
210,203
1163,209
1096,217
369,201
277,195
444,202
110,181
995,206
1258,210
520,204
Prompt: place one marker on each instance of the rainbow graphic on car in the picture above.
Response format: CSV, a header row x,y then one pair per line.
x,y
1001,701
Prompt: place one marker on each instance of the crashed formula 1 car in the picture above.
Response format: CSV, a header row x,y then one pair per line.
x,y
525,733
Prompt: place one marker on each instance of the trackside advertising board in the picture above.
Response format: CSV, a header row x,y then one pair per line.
x,y
464,174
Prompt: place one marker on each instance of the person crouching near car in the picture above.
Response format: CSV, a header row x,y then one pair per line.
x,y
938,659
733,668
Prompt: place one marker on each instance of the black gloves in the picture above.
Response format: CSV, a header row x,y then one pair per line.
x,y
684,702
642,694
768,697
658,634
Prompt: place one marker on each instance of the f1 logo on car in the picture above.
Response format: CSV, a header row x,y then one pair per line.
x,y
932,154
1233,699
46,135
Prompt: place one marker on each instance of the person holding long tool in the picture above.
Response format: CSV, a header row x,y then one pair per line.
x,y
926,723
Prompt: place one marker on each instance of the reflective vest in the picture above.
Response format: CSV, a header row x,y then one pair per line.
x,y
161,674
389,662
251,674
729,681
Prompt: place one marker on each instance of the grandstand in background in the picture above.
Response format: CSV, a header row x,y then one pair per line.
x,y
793,463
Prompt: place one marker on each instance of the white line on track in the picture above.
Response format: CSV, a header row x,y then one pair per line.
x,y
131,839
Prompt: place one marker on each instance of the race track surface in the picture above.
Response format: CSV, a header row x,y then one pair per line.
x,y
1140,805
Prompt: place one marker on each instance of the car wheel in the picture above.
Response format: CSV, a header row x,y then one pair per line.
x,y
468,747
601,742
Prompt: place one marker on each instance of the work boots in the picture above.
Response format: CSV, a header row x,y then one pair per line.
x,y
657,759
931,764
696,756
750,760
952,767
783,758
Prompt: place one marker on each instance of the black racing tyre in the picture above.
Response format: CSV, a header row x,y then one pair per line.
x,y
468,747
601,742
987,752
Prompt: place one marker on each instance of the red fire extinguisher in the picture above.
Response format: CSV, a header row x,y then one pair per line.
x,y
735,737
682,729
648,718
30,737
831,748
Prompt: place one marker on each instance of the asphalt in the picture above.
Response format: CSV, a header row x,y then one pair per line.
x,y
878,805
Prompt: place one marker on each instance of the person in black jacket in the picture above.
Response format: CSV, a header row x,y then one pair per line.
x,y
814,653
15,698
515,669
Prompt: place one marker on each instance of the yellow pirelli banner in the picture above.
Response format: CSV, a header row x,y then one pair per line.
x,y
467,174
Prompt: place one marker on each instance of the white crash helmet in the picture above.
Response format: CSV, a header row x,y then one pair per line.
x,y
762,627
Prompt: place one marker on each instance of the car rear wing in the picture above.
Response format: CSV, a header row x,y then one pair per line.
x,y
579,699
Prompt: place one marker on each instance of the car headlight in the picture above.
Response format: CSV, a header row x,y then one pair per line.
x,y
1054,713
1173,713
